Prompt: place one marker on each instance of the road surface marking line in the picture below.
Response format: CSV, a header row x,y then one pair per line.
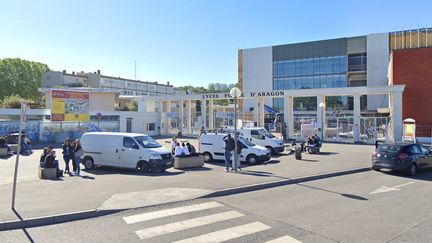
x,y
186,224
170,212
405,184
285,239
228,234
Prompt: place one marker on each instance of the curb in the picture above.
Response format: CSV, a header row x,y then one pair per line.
x,y
284,182
93,213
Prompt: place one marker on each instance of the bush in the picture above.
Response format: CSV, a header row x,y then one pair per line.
x,y
131,106
12,101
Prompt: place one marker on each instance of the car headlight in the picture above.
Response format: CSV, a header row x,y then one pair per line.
x,y
155,156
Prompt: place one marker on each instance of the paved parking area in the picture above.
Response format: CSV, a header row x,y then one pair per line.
x,y
46,197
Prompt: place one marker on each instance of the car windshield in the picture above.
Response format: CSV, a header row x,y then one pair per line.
x,y
389,148
147,142
244,141
266,133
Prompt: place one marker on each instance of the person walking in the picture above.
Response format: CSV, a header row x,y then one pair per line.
x,y
78,152
229,147
66,154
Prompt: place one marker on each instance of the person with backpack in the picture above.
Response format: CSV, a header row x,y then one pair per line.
x,y
229,147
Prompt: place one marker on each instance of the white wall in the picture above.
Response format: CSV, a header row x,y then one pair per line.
x,y
139,119
377,67
257,73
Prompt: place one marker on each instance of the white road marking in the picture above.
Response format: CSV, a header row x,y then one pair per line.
x,y
186,224
383,189
405,184
228,234
170,212
285,239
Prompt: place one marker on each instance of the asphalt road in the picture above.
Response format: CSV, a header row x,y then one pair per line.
x,y
363,207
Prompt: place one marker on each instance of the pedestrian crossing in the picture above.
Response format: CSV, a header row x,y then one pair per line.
x,y
192,222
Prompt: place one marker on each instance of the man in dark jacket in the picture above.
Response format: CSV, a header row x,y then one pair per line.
x,y
229,147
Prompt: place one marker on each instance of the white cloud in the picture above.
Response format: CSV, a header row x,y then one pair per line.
x,y
13,20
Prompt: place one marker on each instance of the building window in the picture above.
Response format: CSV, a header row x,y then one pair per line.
x,y
357,62
150,127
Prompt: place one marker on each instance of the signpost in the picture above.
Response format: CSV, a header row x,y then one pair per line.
x,y
99,117
235,93
22,120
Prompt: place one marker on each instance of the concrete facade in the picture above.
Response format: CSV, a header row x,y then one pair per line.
x,y
258,71
377,67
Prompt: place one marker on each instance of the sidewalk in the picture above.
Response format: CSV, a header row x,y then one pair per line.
x,y
37,198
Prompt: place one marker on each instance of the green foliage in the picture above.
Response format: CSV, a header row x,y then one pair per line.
x,y
131,106
76,85
13,101
211,88
20,77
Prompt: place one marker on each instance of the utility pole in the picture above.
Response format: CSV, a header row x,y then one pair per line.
x,y
135,71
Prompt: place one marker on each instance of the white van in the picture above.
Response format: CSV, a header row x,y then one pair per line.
x,y
125,150
212,147
260,136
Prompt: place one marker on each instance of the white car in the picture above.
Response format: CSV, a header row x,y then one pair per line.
x,y
212,147
260,136
125,150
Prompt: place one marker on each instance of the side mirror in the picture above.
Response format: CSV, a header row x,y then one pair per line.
x,y
135,146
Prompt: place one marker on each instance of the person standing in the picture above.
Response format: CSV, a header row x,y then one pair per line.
x,y
240,147
173,145
229,147
78,152
66,154
72,156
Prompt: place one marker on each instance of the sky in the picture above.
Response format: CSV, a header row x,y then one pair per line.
x,y
185,42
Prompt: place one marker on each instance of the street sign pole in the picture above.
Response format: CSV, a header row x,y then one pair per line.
x,y
22,119
235,167
235,93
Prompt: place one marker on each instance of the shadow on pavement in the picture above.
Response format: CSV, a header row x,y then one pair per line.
x,y
347,195
309,160
196,169
326,153
425,175
102,170
24,230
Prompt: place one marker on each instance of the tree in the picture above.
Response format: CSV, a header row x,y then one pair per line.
x,y
21,77
211,88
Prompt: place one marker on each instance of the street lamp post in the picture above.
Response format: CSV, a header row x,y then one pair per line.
x,y
235,93
322,106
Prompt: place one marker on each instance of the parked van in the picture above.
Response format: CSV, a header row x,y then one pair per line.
x,y
260,136
212,147
125,150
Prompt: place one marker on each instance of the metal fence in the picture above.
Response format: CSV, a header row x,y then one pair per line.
x,y
48,131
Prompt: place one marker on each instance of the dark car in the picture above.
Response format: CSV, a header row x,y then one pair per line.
x,y
402,157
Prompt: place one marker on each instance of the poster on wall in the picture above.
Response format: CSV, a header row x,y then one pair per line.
x,y
70,106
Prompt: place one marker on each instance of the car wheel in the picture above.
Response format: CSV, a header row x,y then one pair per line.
x,y
412,170
252,159
207,157
270,149
143,167
376,168
88,163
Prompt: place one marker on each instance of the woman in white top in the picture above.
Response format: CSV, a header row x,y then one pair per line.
x,y
178,151
185,150
173,145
